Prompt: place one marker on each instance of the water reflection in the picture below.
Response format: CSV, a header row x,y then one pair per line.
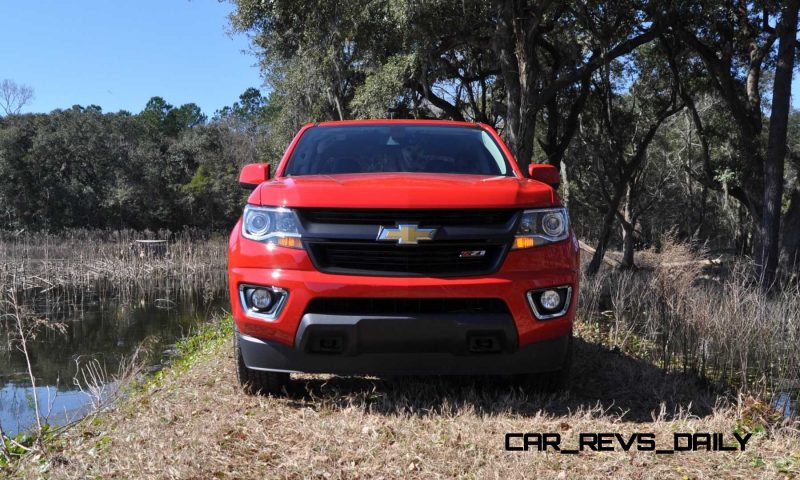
x,y
99,330
56,406
783,404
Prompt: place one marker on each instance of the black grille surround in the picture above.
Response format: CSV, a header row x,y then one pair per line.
x,y
466,242
405,306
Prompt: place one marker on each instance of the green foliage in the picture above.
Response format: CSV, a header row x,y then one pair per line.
x,y
23,442
163,117
207,338
335,60
210,333
165,167
383,86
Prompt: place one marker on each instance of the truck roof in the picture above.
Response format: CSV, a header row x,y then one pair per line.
x,y
386,121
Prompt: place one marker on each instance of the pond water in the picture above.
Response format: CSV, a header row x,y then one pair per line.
x,y
103,331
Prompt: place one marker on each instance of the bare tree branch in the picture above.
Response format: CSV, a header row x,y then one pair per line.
x,y
13,97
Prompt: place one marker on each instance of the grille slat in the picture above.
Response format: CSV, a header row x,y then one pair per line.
x,y
407,260
400,254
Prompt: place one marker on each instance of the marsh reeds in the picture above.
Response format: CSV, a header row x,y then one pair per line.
x,y
718,326
79,266
23,327
46,279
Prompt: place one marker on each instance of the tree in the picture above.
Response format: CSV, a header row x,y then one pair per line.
x,y
312,52
510,63
155,112
79,167
769,227
251,118
616,133
160,115
790,226
735,46
547,52
13,97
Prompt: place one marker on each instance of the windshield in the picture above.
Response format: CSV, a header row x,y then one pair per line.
x,y
397,148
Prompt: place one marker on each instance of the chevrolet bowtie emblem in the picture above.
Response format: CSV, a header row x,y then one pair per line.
x,y
406,234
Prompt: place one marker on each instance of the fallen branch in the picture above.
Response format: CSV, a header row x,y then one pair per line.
x,y
610,261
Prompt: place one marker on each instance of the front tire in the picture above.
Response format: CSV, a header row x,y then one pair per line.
x,y
257,382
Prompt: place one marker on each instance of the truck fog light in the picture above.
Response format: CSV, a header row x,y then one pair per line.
x,y
261,299
547,303
550,299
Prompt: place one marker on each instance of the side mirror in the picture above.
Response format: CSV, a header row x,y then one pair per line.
x,y
545,173
253,174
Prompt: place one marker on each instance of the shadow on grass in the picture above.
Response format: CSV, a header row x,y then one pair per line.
x,y
616,383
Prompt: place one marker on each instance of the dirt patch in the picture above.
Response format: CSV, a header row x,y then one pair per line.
x,y
196,423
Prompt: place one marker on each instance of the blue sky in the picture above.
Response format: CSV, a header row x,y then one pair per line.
x,y
119,53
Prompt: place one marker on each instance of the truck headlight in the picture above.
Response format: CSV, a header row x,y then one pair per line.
x,y
274,226
541,226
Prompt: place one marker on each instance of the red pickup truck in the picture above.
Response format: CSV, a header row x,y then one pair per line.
x,y
401,247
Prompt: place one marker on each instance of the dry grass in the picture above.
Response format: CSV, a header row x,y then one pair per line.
x,y
76,263
677,315
196,423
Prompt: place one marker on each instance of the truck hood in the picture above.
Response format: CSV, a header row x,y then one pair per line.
x,y
404,191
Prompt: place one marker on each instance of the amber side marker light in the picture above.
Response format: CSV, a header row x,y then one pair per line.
x,y
523,242
290,242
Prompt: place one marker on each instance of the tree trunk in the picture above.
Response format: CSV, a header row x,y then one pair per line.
x,y
743,240
602,244
790,258
564,184
515,56
769,228
605,232
627,245
627,231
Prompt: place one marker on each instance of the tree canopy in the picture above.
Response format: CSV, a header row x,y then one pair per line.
x,y
165,167
544,73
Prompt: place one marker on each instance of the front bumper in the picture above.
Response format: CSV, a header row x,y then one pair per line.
x,y
531,345
545,356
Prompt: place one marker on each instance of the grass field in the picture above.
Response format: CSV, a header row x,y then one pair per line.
x,y
192,421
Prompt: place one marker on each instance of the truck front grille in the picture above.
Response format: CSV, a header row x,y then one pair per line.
x,y
466,241
434,258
